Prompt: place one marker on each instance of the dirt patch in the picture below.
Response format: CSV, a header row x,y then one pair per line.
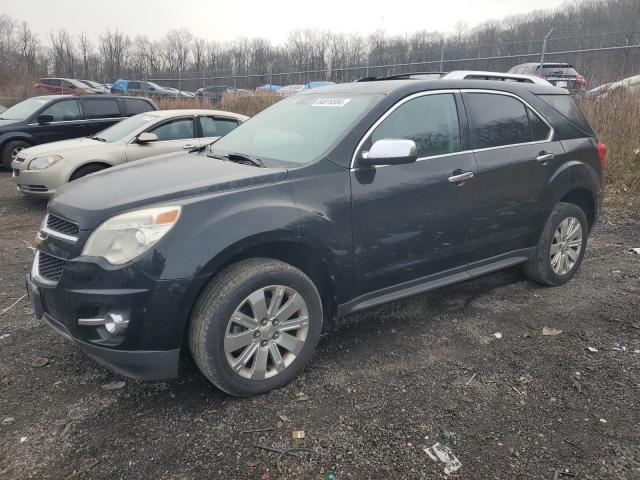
x,y
384,385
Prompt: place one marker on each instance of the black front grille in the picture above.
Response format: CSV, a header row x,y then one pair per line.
x,y
50,268
61,225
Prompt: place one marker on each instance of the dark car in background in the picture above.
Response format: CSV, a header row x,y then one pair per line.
x,y
141,87
61,117
216,92
561,75
63,86
329,202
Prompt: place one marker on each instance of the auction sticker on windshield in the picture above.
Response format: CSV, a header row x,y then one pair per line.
x,y
331,102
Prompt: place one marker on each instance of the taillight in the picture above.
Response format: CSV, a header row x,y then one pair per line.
x,y
205,94
602,153
582,81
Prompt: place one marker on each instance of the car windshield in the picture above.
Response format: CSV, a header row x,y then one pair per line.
x,y
156,86
298,129
125,128
25,109
563,70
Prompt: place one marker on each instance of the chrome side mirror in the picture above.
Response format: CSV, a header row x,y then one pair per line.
x,y
390,151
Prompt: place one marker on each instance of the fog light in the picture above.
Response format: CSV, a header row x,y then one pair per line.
x,y
115,323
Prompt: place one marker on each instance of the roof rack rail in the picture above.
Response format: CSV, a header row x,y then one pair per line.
x,y
499,76
461,75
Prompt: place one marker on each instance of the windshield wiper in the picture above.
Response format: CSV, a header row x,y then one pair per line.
x,y
244,158
100,139
204,147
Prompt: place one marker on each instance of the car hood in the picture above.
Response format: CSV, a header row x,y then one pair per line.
x,y
8,123
64,147
167,178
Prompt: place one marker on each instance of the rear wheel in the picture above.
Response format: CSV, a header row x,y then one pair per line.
x,y
561,246
86,170
11,150
255,326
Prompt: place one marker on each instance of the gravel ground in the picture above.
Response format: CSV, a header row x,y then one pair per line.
x,y
384,385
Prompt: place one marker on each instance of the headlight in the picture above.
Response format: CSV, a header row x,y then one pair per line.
x,y
44,162
124,237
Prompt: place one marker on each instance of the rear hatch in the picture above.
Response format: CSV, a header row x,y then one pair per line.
x,y
562,75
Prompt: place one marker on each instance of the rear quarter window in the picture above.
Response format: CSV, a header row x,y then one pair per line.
x,y
566,106
133,106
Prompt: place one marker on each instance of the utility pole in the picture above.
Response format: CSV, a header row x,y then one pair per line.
x,y
442,57
544,49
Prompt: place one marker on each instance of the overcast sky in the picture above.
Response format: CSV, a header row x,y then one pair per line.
x,y
223,20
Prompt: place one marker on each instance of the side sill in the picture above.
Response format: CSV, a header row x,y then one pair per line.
x,y
431,282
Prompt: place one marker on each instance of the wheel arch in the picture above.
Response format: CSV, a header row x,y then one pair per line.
x,y
585,200
307,259
100,163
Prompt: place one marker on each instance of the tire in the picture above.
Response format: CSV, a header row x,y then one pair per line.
x,y
86,170
541,266
212,330
10,149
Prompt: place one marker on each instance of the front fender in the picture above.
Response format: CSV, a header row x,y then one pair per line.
x,y
217,227
6,137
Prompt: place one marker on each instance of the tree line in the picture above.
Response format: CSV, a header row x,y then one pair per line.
x,y
319,55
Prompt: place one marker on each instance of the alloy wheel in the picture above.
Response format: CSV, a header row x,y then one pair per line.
x,y
15,152
566,246
266,332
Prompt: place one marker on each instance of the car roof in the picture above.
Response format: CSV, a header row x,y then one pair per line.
x,y
386,87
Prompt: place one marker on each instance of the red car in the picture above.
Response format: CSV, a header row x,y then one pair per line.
x,y
63,85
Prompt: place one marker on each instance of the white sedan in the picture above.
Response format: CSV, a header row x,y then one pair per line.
x,y
39,171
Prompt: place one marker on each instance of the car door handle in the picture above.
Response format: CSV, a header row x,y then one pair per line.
x,y
461,177
188,147
545,157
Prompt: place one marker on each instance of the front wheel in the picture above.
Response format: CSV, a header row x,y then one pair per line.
x,y
11,150
255,326
561,246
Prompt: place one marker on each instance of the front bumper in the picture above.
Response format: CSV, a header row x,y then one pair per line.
x,y
37,183
158,310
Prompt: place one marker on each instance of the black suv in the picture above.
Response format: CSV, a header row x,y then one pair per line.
x,y
329,202
61,117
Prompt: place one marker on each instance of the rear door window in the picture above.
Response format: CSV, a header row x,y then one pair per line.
x,y
217,127
101,108
431,121
133,106
496,120
178,129
133,86
566,106
63,111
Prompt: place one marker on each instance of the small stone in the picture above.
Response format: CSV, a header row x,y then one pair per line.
x,y
114,385
297,434
23,439
498,335
8,420
592,350
39,362
602,420
252,462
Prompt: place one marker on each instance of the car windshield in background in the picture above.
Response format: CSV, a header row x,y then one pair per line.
x,y
156,86
563,71
25,109
124,128
298,129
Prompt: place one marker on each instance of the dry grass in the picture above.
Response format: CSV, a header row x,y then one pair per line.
x,y
244,104
616,121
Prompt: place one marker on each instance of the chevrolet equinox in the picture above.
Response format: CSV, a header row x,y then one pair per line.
x,y
329,202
